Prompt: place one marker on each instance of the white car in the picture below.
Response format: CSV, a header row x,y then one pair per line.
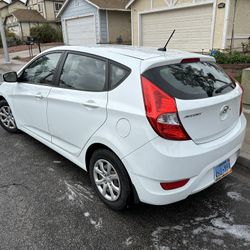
x,y
147,125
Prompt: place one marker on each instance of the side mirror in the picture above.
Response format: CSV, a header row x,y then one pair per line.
x,y
10,77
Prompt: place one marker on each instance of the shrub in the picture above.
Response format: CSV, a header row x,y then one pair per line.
x,y
11,38
46,33
231,58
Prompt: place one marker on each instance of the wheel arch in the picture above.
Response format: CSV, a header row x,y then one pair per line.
x,y
2,98
95,146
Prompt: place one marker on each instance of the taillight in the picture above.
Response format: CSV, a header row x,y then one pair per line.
x,y
174,185
241,99
161,112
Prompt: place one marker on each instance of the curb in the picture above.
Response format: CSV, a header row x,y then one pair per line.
x,y
244,160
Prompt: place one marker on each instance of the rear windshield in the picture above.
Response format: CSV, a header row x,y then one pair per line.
x,y
191,80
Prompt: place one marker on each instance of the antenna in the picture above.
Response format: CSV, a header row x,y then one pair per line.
x,y
165,47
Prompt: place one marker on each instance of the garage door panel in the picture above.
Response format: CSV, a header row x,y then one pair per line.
x,y
81,31
193,28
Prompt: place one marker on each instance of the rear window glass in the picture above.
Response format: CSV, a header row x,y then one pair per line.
x,y
190,80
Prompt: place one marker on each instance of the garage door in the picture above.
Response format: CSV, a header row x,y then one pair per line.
x,y
193,28
81,31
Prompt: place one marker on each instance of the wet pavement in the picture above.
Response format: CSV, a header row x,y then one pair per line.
x,y
46,202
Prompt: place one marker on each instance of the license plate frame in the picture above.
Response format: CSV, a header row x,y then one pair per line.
x,y
222,170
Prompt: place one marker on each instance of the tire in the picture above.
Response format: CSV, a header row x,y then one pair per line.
x,y
103,169
7,120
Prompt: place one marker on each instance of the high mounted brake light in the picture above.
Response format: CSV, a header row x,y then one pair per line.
x,y
190,60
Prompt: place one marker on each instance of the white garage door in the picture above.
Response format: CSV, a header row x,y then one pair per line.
x,y
193,28
81,31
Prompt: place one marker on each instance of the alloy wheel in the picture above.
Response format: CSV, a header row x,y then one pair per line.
x,y
7,118
107,180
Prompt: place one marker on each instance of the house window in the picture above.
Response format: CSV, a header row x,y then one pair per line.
x,y
57,6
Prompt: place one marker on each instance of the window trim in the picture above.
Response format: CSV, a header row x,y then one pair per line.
x,y
109,74
37,58
79,53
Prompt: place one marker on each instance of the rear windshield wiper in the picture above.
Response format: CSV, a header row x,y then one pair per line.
x,y
219,90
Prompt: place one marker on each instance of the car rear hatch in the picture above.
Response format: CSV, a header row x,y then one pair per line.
x,y
208,101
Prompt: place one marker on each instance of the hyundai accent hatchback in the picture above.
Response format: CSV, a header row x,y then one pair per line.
x,y
147,125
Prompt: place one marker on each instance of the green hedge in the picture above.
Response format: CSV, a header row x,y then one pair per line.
x,y
46,33
231,58
12,40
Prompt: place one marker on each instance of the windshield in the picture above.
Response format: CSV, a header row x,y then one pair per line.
x,y
191,80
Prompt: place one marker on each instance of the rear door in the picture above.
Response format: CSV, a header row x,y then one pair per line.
x,y
206,109
77,107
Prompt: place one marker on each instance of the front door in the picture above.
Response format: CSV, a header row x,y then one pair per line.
x,y
29,97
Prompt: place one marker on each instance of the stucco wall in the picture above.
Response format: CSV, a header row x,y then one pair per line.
x,y
219,26
15,28
6,11
119,23
242,23
137,6
50,13
103,26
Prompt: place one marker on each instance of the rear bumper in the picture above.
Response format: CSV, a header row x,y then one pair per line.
x,y
162,160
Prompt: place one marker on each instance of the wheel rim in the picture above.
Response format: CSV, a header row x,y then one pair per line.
x,y
7,118
107,180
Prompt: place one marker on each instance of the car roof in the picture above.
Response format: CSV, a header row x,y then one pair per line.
x,y
141,53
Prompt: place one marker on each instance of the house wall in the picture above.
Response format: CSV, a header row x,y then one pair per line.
x,y
103,26
242,23
136,7
26,29
50,12
119,24
219,26
33,5
77,8
47,9
7,10
15,28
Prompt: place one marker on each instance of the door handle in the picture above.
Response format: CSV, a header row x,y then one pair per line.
x,y
39,96
90,104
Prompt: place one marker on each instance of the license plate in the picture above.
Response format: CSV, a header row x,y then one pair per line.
x,y
222,170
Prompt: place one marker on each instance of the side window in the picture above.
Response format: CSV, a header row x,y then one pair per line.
x,y
83,73
117,75
42,70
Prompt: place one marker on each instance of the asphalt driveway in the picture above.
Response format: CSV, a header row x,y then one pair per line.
x,y
46,202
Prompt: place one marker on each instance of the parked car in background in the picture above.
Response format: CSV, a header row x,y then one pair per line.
x,y
147,125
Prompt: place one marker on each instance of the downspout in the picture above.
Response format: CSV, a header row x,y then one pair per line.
x,y
232,36
226,24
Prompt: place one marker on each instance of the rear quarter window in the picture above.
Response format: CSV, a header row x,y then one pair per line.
x,y
190,80
117,74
